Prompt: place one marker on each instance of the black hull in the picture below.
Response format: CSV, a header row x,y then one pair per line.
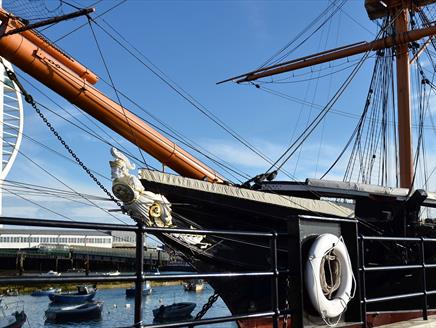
x,y
204,210
86,312
20,320
232,254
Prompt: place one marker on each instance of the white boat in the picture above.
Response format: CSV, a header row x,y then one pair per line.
x,y
51,273
130,292
193,285
112,273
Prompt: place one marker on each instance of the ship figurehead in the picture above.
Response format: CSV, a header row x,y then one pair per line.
x,y
144,206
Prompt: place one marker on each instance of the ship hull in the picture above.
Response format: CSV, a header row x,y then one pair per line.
x,y
243,295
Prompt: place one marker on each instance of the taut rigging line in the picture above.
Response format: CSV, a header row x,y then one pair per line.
x,y
29,99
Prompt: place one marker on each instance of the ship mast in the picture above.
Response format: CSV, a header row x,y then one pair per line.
x,y
405,152
399,10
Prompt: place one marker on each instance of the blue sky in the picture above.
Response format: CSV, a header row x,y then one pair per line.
x,y
196,44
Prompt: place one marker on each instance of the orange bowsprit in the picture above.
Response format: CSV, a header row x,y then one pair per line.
x,y
12,23
35,56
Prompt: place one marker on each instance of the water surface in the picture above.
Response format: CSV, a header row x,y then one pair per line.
x,y
118,311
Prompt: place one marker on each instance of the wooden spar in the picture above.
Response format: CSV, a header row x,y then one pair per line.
x,y
420,50
43,44
400,38
30,55
57,19
405,152
400,41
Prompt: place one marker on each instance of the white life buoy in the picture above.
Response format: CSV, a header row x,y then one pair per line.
x,y
329,308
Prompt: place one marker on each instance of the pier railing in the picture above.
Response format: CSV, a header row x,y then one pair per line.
x,y
275,314
419,266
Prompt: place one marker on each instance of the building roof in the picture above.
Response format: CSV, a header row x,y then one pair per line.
x,y
51,232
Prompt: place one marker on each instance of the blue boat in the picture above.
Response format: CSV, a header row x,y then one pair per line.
x,y
84,294
130,292
45,292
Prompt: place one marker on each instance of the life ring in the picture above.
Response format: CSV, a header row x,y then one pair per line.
x,y
329,245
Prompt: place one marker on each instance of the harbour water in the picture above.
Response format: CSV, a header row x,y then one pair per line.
x,y
118,311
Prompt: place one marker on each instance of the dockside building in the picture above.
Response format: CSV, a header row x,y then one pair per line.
x,y
23,238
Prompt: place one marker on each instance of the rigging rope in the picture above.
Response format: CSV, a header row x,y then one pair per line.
x,y
114,88
119,101
190,99
311,127
313,23
28,98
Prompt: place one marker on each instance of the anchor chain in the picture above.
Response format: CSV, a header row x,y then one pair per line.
x,y
212,299
287,316
29,99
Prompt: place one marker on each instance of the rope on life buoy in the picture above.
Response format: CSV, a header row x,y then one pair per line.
x,y
330,300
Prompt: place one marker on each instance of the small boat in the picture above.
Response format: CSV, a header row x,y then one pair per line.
x,y
45,292
51,273
84,294
112,273
175,311
130,292
14,320
193,285
74,313
11,292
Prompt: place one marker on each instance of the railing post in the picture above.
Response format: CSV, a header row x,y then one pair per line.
x,y
296,292
362,279
424,281
139,283
274,280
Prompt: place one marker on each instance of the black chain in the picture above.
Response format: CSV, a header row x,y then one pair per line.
x,y
287,316
212,299
29,99
73,154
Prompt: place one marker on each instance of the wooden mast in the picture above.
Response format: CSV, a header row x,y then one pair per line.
x,y
404,133
399,10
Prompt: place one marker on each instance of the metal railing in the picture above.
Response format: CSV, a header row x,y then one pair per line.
x,y
421,266
139,277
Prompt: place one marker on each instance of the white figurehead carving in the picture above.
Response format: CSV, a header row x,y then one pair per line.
x,y
120,165
150,208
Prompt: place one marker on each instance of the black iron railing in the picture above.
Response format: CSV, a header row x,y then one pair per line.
x,y
139,278
421,266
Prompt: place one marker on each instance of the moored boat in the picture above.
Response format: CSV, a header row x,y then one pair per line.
x,y
130,292
112,273
74,313
51,273
193,285
45,292
201,199
14,320
84,294
11,292
174,311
